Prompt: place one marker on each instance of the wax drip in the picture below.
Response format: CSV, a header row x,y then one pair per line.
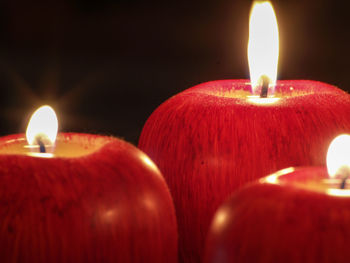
x,y
265,81
41,145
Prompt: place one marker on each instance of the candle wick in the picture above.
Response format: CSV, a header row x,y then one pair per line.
x,y
343,183
41,145
264,86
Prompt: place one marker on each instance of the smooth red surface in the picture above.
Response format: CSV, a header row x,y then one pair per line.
x,y
273,223
208,142
110,206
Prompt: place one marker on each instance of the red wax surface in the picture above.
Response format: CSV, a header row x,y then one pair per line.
x,y
212,139
286,221
111,205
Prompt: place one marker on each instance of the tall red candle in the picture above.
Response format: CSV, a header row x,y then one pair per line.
x,y
92,199
213,138
295,215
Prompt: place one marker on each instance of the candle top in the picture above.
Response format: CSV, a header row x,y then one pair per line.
x,y
41,139
68,145
309,178
238,91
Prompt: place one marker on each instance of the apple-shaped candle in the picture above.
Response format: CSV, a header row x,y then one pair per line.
x,y
82,198
295,215
213,138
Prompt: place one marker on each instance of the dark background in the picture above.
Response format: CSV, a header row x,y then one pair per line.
x,y
106,65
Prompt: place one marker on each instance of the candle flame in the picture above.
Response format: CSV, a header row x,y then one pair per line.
x,y
263,45
42,125
338,157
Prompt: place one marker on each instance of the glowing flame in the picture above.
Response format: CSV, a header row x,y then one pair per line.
x,y
338,156
43,125
263,46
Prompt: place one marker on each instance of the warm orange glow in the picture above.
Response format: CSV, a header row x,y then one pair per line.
x,y
263,46
338,157
262,101
339,192
43,125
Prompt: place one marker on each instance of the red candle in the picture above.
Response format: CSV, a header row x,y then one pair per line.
x,y
90,199
215,137
295,215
